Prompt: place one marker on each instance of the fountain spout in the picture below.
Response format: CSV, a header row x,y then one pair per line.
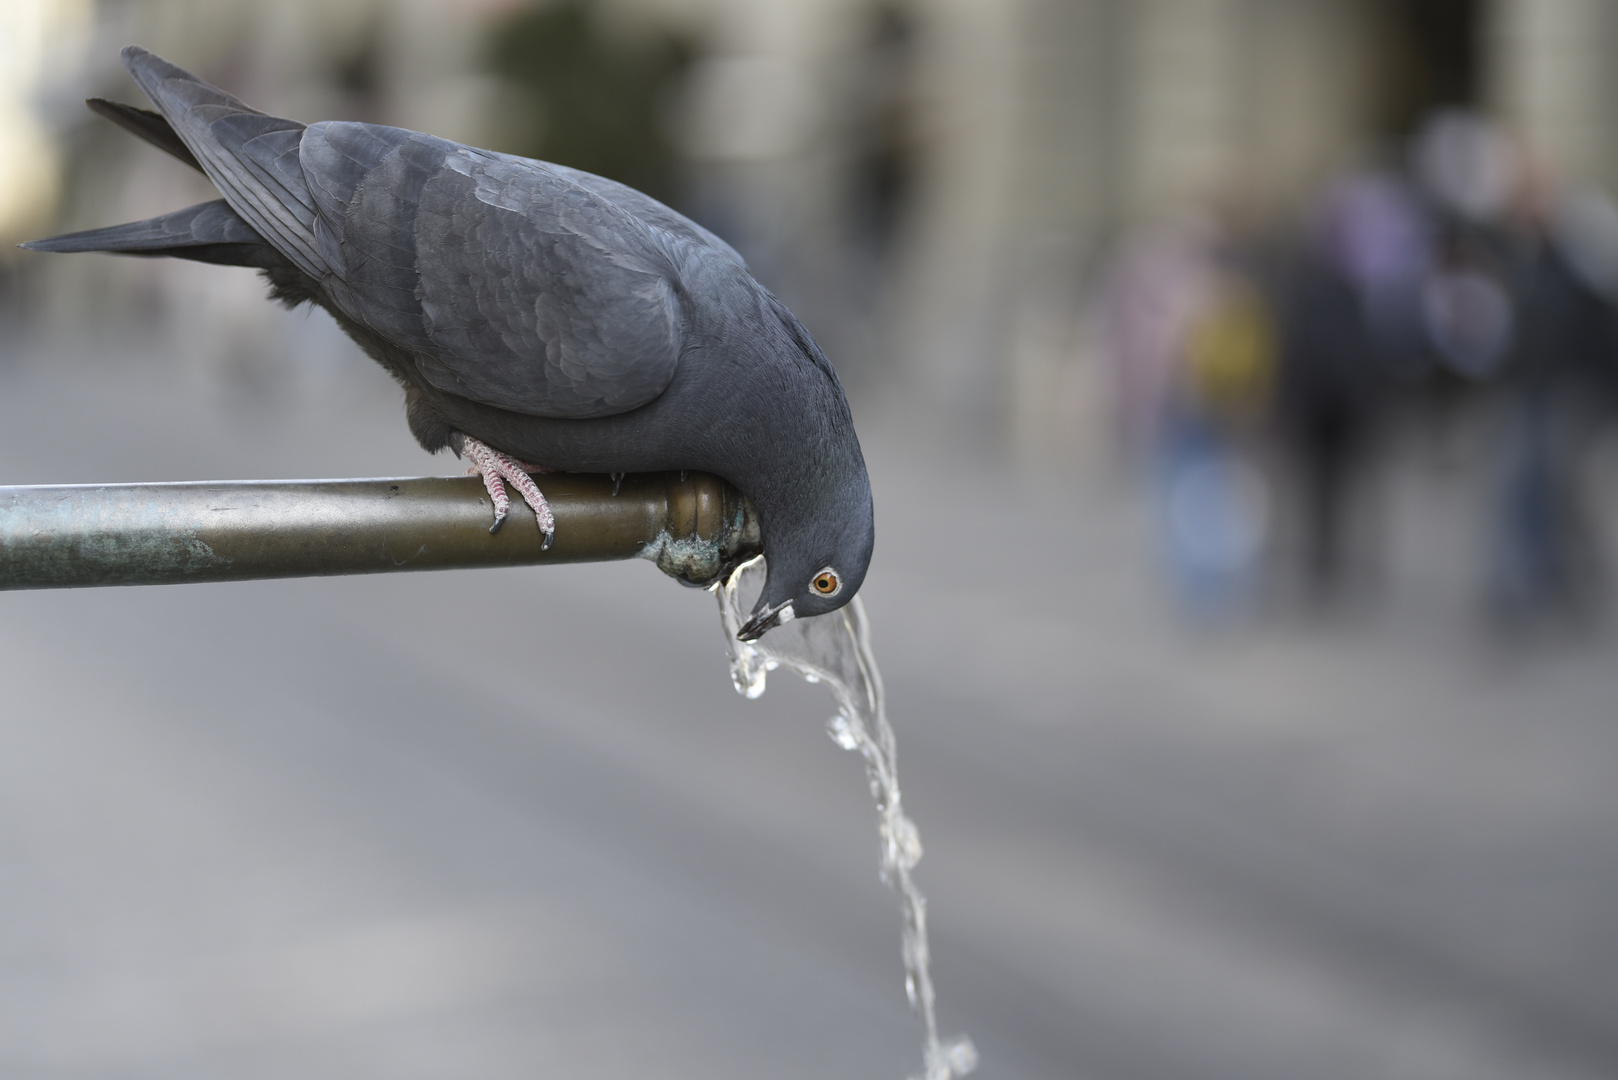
x,y
695,527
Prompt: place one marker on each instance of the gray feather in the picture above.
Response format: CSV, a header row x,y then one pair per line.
x,y
649,210
491,269
244,152
147,124
209,232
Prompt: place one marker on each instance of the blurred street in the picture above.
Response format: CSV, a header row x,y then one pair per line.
x,y
290,829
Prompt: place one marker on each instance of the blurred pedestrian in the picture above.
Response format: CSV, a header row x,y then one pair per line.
x,y
1466,171
1351,320
1192,341
1564,387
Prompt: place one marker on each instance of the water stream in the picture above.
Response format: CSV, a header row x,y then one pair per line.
x,y
835,649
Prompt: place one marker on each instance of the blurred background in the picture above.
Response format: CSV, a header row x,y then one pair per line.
x,y
1237,379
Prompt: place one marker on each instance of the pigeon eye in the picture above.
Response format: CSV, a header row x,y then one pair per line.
x,y
827,583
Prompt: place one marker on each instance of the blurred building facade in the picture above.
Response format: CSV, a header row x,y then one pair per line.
x,y
933,183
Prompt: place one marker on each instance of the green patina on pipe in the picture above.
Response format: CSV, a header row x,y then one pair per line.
x,y
694,528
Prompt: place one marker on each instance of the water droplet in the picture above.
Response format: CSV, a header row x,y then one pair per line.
x,y
907,840
961,1055
842,732
809,677
747,671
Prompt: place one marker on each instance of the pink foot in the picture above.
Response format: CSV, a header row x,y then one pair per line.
x,y
493,466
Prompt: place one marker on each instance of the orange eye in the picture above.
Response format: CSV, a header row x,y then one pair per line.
x,y
826,583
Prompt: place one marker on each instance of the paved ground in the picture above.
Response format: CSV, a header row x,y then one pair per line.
x,y
285,829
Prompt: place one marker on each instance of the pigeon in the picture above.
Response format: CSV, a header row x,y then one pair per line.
x,y
533,313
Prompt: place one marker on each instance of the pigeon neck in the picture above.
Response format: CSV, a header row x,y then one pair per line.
x,y
804,470
793,451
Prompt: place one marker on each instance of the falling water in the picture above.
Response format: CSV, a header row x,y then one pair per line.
x,y
835,649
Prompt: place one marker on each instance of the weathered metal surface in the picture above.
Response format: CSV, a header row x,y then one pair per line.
x,y
155,534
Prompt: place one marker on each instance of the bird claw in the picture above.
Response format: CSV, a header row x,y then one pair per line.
x,y
617,482
550,538
497,469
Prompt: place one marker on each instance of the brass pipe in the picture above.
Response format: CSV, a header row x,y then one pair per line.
x,y
694,527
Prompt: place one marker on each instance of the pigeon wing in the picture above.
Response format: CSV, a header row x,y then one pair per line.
x,y
512,284
650,211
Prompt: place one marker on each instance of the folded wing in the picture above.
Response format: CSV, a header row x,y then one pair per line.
x,y
509,281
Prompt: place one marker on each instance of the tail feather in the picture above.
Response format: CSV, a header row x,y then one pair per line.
x,y
147,125
210,232
173,89
251,157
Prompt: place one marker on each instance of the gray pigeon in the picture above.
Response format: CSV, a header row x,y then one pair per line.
x,y
532,312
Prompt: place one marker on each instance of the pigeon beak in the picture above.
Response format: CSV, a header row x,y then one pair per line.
x,y
767,619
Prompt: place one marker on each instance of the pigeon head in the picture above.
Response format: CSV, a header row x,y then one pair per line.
x,y
815,561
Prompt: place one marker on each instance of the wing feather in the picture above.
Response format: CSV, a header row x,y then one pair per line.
x,y
650,211
243,151
512,284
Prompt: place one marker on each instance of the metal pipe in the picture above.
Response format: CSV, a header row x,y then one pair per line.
x,y
694,527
